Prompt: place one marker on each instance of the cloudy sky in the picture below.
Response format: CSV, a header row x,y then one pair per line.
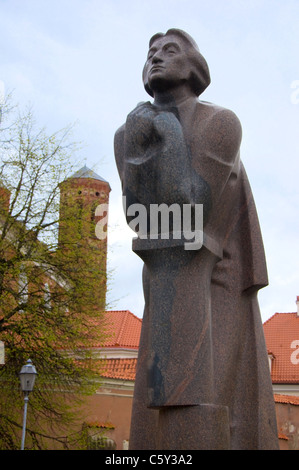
x,y
81,61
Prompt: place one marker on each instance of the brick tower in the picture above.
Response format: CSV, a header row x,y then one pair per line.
x,y
84,199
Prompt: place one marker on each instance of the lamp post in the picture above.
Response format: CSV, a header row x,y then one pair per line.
x,y
27,379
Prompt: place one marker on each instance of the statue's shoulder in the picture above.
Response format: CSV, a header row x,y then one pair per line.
x,y
218,114
221,127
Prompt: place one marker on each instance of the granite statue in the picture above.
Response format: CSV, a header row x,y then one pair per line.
x,y
202,379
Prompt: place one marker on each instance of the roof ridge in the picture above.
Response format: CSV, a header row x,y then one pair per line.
x,y
127,311
86,172
279,313
286,313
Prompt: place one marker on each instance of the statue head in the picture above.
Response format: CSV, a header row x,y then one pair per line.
x,y
191,66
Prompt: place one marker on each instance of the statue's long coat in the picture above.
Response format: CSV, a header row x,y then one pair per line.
x,y
241,371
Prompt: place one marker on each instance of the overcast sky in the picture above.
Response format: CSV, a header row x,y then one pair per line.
x,y
81,61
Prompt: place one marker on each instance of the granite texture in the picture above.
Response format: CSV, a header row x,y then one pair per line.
x,y
202,379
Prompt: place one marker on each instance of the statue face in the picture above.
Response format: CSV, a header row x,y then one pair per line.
x,y
167,64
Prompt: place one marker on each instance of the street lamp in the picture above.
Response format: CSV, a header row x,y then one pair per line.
x,y
27,378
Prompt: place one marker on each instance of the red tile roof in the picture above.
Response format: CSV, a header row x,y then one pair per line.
x,y
282,436
282,339
286,399
123,330
122,369
99,424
